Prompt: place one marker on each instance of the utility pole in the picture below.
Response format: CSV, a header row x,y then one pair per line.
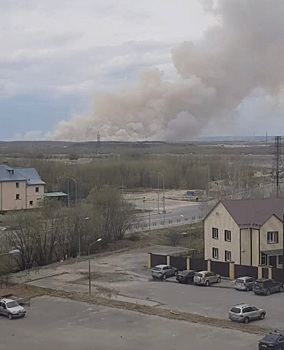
x,y
277,169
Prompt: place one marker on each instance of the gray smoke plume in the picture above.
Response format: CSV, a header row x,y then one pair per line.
x,y
239,56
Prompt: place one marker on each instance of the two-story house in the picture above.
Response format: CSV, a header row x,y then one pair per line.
x,y
20,188
246,231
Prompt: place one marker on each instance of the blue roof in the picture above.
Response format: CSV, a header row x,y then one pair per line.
x,y
30,175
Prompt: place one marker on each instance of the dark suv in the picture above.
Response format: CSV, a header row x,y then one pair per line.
x,y
267,286
273,340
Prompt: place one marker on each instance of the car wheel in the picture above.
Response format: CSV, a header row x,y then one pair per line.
x,y
262,315
10,316
219,280
246,320
207,284
164,276
268,292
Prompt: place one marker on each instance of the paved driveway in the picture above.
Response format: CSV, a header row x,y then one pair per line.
x,y
53,323
127,274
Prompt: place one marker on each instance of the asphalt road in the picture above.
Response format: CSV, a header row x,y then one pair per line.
x,y
137,284
53,323
206,301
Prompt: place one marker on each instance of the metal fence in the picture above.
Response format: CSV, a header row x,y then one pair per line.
x,y
244,270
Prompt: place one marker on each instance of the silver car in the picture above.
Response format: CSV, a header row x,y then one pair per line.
x,y
10,308
206,278
163,271
244,283
246,313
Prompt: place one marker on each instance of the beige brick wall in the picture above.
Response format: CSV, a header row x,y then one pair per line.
x,y
221,219
9,192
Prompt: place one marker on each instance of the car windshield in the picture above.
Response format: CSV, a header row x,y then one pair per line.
x,y
240,281
156,268
235,310
259,283
12,304
184,273
270,338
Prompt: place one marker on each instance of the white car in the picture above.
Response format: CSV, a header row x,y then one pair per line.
x,y
206,278
10,308
164,271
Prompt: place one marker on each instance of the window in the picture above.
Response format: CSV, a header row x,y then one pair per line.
x,y
31,203
214,233
228,255
280,259
263,259
17,185
272,237
215,253
227,236
17,196
37,189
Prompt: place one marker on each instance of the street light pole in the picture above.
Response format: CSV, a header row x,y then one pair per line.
x,y
79,238
90,284
76,189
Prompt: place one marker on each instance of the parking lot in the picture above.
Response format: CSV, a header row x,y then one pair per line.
x,y
125,276
53,323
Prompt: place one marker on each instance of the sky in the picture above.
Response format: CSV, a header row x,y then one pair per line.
x,y
151,70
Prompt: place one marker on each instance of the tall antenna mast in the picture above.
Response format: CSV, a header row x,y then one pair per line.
x,y
277,170
98,141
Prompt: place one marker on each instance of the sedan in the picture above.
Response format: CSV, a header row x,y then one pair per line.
x,y
164,271
185,276
273,340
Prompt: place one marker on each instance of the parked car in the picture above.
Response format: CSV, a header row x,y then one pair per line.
x,y
164,271
273,340
10,308
246,313
244,283
185,276
267,286
206,278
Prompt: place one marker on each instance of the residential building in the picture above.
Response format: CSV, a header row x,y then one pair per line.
x,y
20,188
246,231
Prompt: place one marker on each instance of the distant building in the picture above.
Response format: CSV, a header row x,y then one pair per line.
x,y
246,231
20,188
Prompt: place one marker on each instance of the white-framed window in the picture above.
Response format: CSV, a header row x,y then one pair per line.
x,y
228,255
214,233
272,237
263,259
227,235
215,253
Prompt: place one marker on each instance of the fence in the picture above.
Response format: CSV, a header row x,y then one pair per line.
x,y
225,269
221,268
243,270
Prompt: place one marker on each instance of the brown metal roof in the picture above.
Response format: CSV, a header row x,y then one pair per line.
x,y
254,212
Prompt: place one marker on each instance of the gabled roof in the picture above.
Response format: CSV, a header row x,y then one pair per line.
x,y
254,212
29,175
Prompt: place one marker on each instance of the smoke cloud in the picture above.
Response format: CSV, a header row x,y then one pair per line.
x,y
238,57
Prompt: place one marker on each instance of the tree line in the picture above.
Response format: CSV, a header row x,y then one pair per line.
x,y
55,232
